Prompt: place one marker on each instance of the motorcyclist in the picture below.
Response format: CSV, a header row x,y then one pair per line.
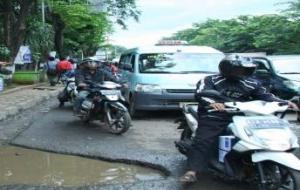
x,y
233,81
91,72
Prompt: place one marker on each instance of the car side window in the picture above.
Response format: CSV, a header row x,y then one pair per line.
x,y
124,60
262,66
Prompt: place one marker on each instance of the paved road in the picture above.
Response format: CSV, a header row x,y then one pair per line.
x,y
149,142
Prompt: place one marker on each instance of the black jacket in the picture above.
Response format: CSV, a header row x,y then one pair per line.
x,y
239,90
98,77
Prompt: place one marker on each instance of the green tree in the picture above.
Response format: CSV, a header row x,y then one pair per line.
x,y
14,17
82,26
39,36
293,10
246,34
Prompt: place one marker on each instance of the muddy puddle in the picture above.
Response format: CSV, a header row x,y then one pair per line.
x,y
32,167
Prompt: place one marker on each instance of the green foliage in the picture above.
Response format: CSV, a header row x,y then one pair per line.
x,y
86,24
293,10
84,29
4,53
268,33
39,37
119,10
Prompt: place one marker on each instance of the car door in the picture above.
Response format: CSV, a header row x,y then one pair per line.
x,y
126,62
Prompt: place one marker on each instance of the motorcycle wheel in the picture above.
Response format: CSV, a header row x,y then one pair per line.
x,y
279,177
122,123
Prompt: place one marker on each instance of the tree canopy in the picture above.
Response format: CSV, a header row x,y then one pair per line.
x,y
71,26
268,33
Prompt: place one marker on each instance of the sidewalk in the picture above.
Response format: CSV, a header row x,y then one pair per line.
x,y
21,98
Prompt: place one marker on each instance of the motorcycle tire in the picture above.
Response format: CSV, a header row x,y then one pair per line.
x,y
281,178
120,126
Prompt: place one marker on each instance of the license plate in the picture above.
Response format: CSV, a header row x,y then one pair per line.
x,y
110,92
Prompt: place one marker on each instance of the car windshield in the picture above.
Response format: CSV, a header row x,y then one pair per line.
x,y
288,65
179,62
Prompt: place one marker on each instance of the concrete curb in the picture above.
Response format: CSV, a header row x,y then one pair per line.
x,y
21,88
12,111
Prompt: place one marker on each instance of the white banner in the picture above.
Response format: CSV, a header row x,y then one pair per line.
x,y
23,56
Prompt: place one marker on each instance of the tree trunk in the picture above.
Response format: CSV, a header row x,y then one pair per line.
x,y
15,24
59,27
7,23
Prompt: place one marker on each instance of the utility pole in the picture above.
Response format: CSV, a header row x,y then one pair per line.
x,y
43,11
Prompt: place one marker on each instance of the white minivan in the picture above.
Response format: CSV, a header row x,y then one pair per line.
x,y
163,77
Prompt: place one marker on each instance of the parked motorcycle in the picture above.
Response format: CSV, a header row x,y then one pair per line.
x,y
106,103
69,93
258,147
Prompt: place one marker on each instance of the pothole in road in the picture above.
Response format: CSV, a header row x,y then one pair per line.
x,y
32,167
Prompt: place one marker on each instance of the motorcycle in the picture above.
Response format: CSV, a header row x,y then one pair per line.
x,y
69,93
258,147
106,103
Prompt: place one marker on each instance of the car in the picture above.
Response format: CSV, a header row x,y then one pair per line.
x,y
165,76
287,66
279,76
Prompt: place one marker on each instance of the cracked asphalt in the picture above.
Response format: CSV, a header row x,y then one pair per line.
x,y
150,143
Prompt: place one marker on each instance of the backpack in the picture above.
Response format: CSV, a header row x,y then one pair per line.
x,y
51,71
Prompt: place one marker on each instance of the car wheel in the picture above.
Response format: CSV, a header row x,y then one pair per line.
x,y
132,110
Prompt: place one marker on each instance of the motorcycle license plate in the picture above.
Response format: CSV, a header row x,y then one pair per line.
x,y
266,123
110,92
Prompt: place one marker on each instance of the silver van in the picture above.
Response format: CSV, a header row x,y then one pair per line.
x,y
163,77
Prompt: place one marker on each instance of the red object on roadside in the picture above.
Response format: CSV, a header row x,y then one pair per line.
x,y
64,65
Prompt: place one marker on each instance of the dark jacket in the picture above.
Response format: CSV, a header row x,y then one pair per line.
x,y
98,77
238,90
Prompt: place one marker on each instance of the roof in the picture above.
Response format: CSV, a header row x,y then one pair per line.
x,y
173,49
252,54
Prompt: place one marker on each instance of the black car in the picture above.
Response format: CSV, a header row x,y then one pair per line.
x,y
277,81
280,76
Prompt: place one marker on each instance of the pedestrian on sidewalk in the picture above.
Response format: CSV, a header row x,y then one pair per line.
x,y
51,70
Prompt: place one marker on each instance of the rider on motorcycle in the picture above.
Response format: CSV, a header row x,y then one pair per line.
x,y
233,81
91,72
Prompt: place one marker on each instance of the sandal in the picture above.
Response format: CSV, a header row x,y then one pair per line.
x,y
188,178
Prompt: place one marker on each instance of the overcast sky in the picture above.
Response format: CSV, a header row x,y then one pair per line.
x,y
161,18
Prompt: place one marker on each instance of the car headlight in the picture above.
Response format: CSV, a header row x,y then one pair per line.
x,y
148,88
295,85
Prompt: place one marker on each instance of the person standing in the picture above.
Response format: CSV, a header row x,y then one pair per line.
x,y
51,70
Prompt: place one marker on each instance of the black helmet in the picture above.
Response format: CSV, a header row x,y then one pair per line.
x,y
236,67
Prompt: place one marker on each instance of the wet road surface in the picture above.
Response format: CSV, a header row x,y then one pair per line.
x,y
32,167
149,142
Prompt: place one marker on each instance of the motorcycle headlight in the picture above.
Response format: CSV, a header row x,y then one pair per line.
x,y
148,88
295,85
